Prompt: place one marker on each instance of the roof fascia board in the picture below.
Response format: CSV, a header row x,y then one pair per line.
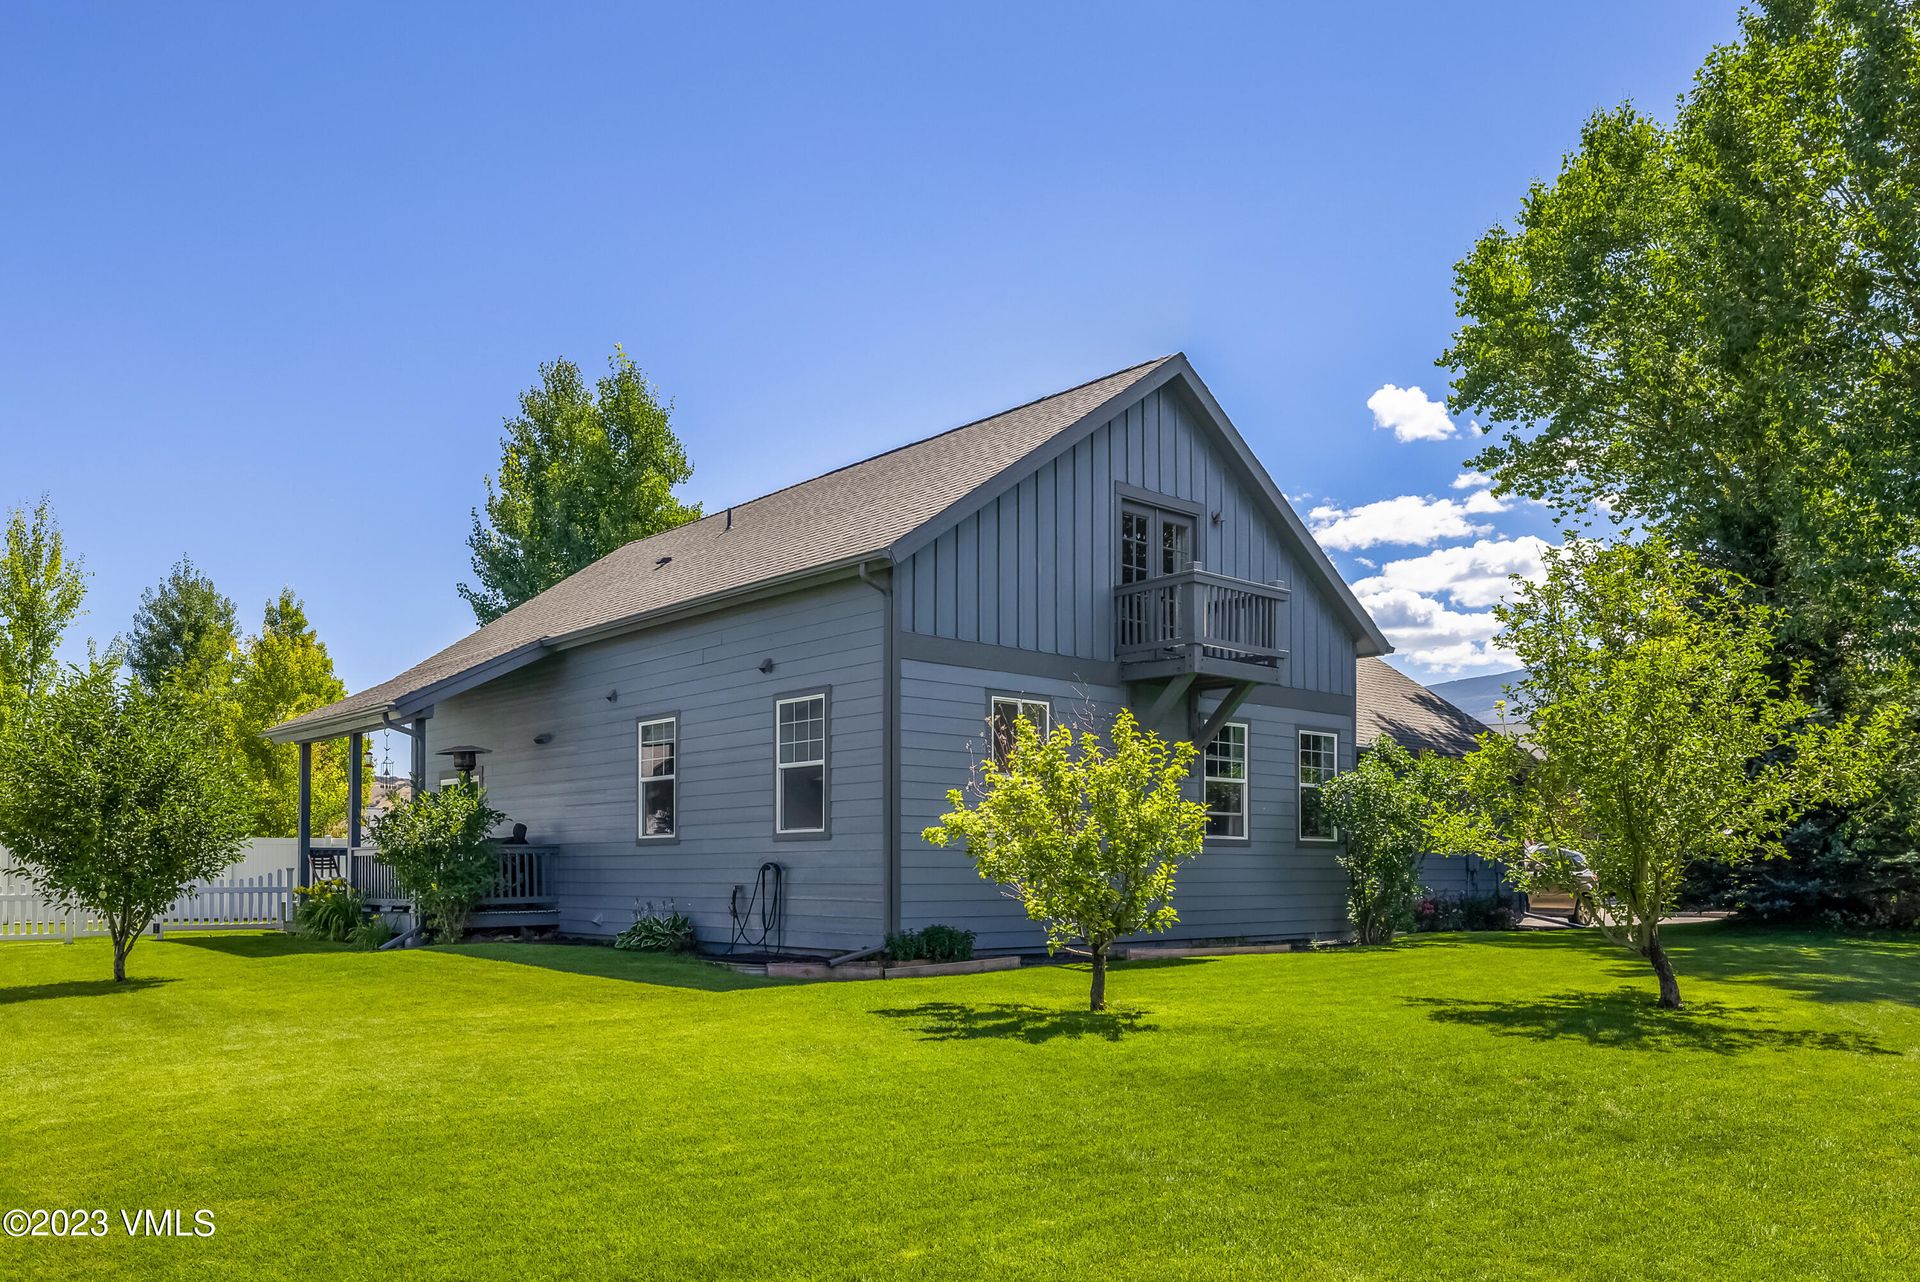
x,y
467,678
798,580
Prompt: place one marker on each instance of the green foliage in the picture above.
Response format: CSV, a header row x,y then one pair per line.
x,y
582,472
934,943
185,634
1713,328
1663,740
438,847
1463,912
41,589
116,798
1087,840
370,933
657,931
284,671
1380,808
329,909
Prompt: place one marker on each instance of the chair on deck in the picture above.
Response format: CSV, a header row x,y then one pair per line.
x,y
324,863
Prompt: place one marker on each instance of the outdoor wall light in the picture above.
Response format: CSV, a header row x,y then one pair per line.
x,y
543,739
766,665
466,756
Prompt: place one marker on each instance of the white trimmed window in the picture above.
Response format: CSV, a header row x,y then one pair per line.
x,y
1319,762
800,790
1008,709
1224,771
659,778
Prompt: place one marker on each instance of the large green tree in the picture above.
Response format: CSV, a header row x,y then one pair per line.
x,y
41,588
583,471
116,797
185,633
1711,327
284,671
1660,738
1086,834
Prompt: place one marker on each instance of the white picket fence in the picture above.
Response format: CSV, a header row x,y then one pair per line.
x,y
263,901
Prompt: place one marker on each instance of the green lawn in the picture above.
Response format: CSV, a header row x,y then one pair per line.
x,y
1456,1107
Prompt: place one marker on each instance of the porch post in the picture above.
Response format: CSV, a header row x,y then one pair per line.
x,y
419,755
355,747
305,834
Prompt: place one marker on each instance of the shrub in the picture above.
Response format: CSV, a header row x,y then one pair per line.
x,y
329,909
438,848
946,944
1379,808
1463,912
655,931
370,933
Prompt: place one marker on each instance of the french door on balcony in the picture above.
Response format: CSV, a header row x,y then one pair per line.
x,y
1153,542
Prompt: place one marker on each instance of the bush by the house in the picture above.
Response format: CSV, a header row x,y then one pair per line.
x,y
657,931
934,943
370,933
438,848
1463,912
329,909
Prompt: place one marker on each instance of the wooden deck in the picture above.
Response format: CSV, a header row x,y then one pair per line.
x,y
522,893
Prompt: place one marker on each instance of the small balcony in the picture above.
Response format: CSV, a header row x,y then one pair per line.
x,y
1198,622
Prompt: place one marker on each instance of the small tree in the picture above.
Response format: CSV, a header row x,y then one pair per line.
x,y
1087,841
438,847
115,798
1380,808
185,633
1658,738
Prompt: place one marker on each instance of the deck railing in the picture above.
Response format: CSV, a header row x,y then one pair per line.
x,y
523,875
1225,618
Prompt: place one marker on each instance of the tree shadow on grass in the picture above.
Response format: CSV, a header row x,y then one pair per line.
x,y
76,988
267,944
602,962
1628,1019
1016,1021
1822,968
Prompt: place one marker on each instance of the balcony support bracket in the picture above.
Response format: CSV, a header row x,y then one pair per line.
x,y
1170,695
1204,731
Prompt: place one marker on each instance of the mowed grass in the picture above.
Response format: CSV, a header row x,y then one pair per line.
x,y
1453,1107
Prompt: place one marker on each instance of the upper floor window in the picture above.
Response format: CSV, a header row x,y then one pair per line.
x,y
800,785
1153,541
1008,709
1224,771
659,777
1319,762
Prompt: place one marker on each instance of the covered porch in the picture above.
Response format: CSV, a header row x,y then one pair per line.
x,y
522,894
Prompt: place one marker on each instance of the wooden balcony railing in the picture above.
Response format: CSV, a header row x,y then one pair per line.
x,y
1220,617
523,877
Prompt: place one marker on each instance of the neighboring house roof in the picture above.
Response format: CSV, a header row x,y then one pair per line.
x,y
864,511
1394,704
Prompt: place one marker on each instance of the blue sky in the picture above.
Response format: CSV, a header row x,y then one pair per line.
x,y
269,280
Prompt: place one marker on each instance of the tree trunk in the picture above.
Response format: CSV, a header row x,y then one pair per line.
x,y
1669,986
122,945
1099,999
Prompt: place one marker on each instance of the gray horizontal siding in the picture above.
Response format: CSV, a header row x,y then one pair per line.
x,y
580,791
1268,888
1034,568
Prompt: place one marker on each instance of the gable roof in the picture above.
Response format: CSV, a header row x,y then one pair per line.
x,y
864,511
1394,704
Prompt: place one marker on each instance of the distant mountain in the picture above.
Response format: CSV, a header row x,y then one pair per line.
x,y
1476,696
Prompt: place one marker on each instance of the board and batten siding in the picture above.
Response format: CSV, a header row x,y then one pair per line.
x,y
1034,569
580,792
1269,887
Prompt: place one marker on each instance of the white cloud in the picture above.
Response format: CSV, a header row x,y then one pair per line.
x,y
1409,519
1472,481
1411,414
1433,607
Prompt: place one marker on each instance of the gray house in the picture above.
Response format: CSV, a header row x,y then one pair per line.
x,y
756,714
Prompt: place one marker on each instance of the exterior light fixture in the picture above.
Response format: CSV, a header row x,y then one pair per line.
x,y
466,756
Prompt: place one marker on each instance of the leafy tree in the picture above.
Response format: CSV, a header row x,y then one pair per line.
x,y
1662,737
582,472
285,671
1380,808
115,798
1712,329
438,847
1088,841
41,589
185,634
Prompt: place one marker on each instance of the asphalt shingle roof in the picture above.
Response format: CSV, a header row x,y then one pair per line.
x,y
841,517
1392,703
